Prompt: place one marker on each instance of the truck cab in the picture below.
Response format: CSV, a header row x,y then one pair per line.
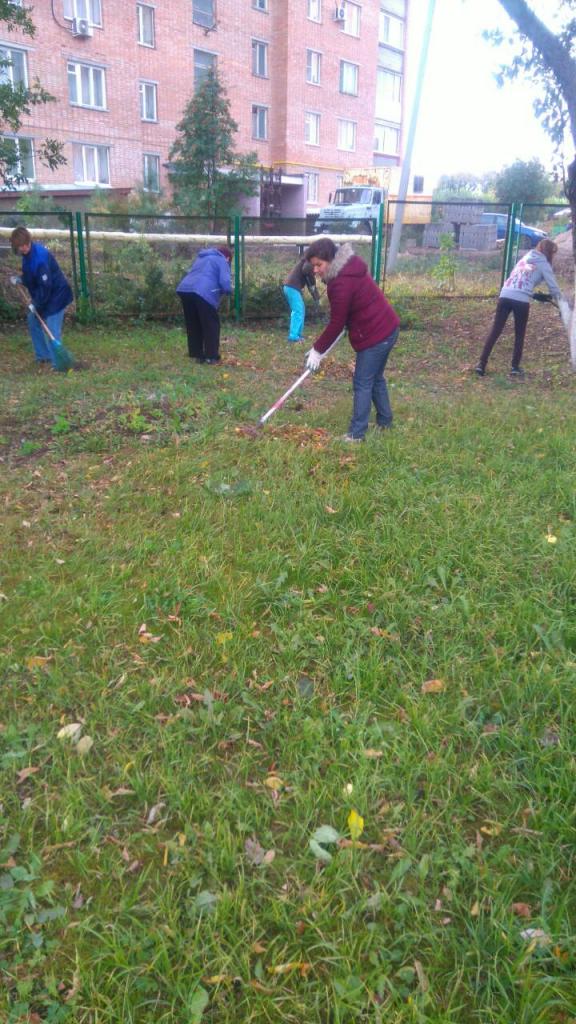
x,y
353,209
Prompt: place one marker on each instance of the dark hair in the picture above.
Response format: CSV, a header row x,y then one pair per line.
x,y
225,252
322,249
20,236
548,248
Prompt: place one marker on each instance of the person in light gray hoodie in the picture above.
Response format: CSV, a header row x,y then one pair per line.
x,y
515,296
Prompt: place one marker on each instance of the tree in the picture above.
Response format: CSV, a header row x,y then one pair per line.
x,y
464,186
206,173
16,102
523,181
548,56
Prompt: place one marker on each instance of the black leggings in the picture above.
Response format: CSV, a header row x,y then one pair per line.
x,y
520,311
202,326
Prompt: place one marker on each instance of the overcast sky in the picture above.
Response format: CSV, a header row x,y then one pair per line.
x,y
467,123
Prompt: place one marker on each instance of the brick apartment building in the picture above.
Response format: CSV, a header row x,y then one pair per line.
x,y
315,86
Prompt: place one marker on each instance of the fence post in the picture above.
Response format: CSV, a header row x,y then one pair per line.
x,y
509,244
82,258
378,245
237,270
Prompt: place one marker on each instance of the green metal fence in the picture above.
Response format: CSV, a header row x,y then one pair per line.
x,y
55,230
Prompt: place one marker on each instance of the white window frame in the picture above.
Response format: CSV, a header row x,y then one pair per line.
x,y
391,30
314,10
147,90
200,18
202,69
347,127
155,159
312,128
260,58
351,24
260,5
91,10
259,118
312,180
313,67
143,25
17,169
79,72
82,152
7,71
347,69
383,130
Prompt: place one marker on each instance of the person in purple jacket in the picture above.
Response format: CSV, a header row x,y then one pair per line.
x,y
200,291
357,304
49,291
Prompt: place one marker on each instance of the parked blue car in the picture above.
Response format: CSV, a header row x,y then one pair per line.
x,y
527,233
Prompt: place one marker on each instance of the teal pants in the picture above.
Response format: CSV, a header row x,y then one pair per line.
x,y
297,313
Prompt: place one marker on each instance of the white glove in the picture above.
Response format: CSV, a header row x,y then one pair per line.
x,y
313,360
32,307
15,279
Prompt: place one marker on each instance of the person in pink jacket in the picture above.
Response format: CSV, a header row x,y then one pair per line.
x,y
358,305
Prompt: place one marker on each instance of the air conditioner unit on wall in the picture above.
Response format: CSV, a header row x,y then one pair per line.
x,y
81,27
340,13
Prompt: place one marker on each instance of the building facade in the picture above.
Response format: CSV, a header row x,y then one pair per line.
x,y
315,86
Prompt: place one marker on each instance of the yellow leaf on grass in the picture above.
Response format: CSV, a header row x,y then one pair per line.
x,y
294,965
274,782
373,755
355,824
475,909
492,828
223,638
433,686
36,662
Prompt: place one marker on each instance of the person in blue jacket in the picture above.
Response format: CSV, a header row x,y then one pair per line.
x,y
49,291
200,291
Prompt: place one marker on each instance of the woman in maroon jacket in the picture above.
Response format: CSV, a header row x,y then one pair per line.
x,y
357,304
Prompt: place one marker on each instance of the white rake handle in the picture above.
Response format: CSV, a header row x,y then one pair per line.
x,y
293,386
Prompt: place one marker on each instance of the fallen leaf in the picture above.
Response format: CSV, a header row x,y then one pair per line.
x,y
331,511
536,936
355,824
433,686
154,813
475,909
422,979
373,754
274,783
294,965
223,638
84,746
256,854
521,909
491,829
36,661
70,732
25,773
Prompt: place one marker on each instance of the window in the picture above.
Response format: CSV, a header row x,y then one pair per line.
x,y
386,138
388,95
259,122
352,19
151,172
86,86
203,63
260,5
395,7
390,30
259,58
91,10
315,10
146,34
312,128
13,68
348,78
347,135
313,67
148,101
20,162
91,165
312,181
203,13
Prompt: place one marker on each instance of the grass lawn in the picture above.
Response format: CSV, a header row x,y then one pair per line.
x,y
320,763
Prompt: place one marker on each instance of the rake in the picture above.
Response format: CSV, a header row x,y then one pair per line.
x,y
278,405
62,358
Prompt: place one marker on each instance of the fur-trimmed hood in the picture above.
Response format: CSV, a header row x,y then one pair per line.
x,y
344,254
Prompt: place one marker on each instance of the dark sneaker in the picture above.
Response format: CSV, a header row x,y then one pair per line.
x,y
211,362
479,371
517,372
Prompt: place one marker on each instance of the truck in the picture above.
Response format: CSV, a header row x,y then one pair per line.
x,y
356,204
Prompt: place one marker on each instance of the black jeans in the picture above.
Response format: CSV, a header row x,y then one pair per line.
x,y
202,326
520,311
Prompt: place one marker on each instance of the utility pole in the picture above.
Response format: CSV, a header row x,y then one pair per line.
x,y
406,162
